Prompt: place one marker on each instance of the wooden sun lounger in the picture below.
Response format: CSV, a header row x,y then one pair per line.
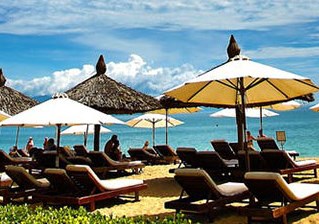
x,y
81,150
256,161
280,161
102,163
145,156
79,185
223,149
266,143
199,186
5,159
187,156
71,156
268,188
214,164
167,153
23,185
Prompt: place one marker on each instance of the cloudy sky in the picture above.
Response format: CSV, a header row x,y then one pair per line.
x,y
150,45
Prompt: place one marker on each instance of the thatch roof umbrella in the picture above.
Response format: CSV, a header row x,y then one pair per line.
x,y
109,96
11,101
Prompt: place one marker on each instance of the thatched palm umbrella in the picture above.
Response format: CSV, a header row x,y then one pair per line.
x,y
109,96
11,101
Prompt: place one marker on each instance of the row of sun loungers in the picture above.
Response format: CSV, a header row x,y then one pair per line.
x,y
98,161
267,195
277,161
267,160
76,185
159,154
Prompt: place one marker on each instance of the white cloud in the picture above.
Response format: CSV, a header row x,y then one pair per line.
x,y
283,52
47,17
135,73
59,81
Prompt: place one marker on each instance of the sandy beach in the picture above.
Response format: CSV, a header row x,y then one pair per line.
x,y
162,187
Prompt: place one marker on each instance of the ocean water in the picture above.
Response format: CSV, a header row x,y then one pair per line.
x,y
301,127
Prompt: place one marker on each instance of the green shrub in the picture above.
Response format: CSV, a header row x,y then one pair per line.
x,y
26,215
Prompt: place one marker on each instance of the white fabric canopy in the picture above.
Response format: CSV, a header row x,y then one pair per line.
x,y
60,111
153,121
81,130
250,112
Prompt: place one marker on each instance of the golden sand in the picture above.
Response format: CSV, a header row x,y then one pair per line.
x,y
162,188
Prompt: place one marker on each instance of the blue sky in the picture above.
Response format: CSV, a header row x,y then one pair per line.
x,y
50,46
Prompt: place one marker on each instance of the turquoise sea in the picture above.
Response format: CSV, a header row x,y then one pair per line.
x,y
301,127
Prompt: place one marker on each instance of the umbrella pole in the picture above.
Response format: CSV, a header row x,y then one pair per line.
x,y
261,120
17,136
153,133
243,127
166,125
86,135
97,129
58,134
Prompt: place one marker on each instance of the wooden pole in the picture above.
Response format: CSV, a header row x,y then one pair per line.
x,y
97,129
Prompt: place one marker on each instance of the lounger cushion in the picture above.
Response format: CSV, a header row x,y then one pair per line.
x,y
304,162
226,189
119,183
294,191
107,184
231,188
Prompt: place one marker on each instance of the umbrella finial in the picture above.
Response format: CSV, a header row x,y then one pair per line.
x,y
233,49
100,66
2,78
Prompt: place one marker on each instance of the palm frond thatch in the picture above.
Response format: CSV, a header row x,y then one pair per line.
x,y
13,102
109,96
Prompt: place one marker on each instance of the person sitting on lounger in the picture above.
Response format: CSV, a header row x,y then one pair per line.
x,y
112,148
51,145
14,151
145,146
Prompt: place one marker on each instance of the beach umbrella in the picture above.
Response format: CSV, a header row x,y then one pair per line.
x,y
109,96
315,108
240,83
83,130
173,106
250,112
12,101
153,121
289,105
59,111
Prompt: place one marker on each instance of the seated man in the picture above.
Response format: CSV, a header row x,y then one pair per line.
x,y
112,148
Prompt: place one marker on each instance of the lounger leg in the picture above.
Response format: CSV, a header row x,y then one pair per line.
x,y
315,172
137,196
284,219
290,178
92,206
317,205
